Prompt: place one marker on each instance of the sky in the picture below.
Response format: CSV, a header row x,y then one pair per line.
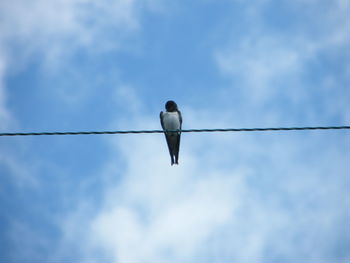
x,y
82,65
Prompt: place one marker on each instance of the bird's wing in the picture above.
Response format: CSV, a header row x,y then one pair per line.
x,y
180,116
161,119
177,142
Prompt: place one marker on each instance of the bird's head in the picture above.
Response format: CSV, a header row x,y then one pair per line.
x,y
171,106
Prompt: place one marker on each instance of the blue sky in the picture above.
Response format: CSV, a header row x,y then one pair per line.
x,y
235,197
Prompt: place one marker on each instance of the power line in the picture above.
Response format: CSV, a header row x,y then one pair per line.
x,y
186,130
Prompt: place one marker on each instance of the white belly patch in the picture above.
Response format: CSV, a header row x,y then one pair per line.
x,y
171,121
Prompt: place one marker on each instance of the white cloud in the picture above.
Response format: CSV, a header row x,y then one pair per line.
x,y
179,223
53,31
268,67
60,27
164,213
260,61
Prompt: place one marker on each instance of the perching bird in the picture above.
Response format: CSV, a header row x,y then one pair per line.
x,y
171,120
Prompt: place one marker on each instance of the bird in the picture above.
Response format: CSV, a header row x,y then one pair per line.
x,y
171,121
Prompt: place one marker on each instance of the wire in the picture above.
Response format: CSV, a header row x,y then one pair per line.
x,y
187,130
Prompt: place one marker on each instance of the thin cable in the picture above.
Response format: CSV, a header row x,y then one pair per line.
x,y
187,130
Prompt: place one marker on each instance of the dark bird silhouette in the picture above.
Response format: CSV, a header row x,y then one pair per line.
x,y
171,120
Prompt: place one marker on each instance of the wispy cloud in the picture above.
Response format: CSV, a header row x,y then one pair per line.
x,y
60,27
276,68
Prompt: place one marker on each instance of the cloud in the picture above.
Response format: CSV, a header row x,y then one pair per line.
x,y
60,27
53,32
179,223
260,61
275,68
